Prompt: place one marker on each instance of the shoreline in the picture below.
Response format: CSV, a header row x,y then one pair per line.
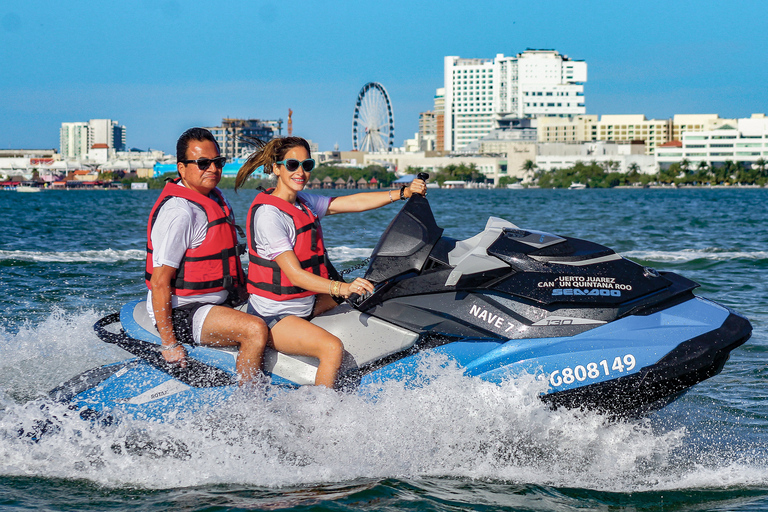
x,y
619,187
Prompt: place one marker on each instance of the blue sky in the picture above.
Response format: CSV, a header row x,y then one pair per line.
x,y
161,66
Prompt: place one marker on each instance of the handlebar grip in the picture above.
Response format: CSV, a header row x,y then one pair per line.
x,y
424,176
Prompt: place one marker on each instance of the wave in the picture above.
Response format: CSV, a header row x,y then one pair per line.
x,y
349,254
686,255
345,254
340,254
103,256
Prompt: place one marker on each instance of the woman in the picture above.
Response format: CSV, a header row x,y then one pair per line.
x,y
288,278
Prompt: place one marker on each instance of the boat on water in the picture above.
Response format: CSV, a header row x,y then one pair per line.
x,y
27,188
602,332
577,186
515,186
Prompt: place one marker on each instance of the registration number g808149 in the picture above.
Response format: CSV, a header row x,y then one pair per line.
x,y
592,371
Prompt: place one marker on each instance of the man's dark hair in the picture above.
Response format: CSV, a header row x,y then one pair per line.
x,y
192,134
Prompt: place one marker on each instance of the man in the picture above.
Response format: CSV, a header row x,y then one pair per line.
x,y
193,264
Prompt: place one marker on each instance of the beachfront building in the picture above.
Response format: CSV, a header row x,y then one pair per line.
x,y
479,92
744,141
508,161
440,119
22,164
232,132
141,163
497,141
611,156
73,140
621,129
624,129
77,139
697,123
425,139
427,135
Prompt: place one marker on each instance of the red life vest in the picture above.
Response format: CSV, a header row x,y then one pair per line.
x,y
213,266
264,276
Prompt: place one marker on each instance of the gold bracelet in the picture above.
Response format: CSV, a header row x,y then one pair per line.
x,y
330,288
337,290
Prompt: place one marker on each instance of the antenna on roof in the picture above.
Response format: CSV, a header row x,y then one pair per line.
x,y
290,122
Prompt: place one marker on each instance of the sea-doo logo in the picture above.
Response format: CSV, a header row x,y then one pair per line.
x,y
593,286
594,292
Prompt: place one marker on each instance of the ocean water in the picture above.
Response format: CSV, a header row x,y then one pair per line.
x,y
69,257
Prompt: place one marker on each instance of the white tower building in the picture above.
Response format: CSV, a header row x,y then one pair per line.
x,y
73,141
106,131
77,139
535,83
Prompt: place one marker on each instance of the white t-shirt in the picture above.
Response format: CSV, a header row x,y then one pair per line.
x,y
180,225
275,233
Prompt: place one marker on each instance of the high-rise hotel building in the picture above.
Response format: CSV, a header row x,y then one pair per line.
x,y
535,83
232,136
77,139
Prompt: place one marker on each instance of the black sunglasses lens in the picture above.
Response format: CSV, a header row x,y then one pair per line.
x,y
292,164
308,165
204,163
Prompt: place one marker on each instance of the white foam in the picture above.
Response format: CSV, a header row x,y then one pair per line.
x,y
37,358
447,425
105,256
686,255
343,254
340,254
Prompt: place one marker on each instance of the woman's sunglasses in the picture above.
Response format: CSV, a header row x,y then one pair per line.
x,y
205,163
292,164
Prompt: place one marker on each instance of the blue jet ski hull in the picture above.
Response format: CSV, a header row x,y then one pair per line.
x,y
629,367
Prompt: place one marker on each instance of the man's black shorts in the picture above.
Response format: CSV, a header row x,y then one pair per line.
x,y
182,318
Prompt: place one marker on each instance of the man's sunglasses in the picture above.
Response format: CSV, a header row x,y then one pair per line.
x,y
205,163
292,164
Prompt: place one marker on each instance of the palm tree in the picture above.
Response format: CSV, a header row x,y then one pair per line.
x,y
760,163
529,166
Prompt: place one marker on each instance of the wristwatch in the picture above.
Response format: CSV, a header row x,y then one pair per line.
x,y
402,193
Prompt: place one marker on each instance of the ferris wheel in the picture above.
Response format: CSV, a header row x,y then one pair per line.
x,y
373,127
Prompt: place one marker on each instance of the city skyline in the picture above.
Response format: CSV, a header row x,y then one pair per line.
x,y
160,67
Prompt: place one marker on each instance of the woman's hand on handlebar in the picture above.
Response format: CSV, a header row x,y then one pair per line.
x,y
359,286
417,187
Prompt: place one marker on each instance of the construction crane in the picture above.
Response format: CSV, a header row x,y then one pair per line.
x,y
290,122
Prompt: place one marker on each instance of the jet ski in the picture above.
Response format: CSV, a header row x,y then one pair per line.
x,y
605,333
